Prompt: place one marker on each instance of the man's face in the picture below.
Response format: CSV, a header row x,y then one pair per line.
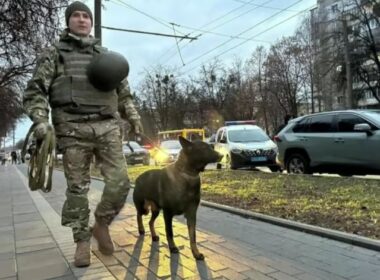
x,y
80,24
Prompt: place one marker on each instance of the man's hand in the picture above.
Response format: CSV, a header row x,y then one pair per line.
x,y
41,130
136,127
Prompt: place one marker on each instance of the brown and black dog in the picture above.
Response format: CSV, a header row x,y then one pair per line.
x,y
176,190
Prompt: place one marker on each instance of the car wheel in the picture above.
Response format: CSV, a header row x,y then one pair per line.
x,y
274,168
297,164
229,163
146,161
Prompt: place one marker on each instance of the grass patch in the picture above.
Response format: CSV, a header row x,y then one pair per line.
x,y
346,204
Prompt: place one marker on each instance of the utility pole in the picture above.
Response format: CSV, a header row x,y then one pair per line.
x,y
347,60
98,19
14,139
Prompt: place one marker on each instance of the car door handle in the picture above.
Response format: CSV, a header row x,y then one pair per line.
x,y
304,139
339,140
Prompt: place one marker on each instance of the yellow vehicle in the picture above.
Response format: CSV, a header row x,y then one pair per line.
x,y
188,133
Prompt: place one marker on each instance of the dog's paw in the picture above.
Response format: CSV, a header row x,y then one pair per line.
x,y
199,257
174,250
155,238
141,232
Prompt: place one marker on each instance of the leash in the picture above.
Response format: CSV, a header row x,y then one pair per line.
x,y
148,139
153,143
40,169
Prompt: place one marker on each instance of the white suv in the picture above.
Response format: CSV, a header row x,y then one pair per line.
x,y
245,145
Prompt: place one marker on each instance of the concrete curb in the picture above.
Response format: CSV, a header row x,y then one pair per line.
x,y
323,232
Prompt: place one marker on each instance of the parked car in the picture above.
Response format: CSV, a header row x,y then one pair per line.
x,y
343,142
167,152
245,145
135,154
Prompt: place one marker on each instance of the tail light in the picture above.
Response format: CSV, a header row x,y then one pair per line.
x,y
148,146
277,138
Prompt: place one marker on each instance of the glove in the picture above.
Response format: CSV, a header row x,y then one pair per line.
x,y
39,116
136,127
41,130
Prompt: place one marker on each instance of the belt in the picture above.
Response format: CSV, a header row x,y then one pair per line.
x,y
92,117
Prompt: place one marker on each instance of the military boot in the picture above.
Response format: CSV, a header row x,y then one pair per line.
x,y
102,235
82,256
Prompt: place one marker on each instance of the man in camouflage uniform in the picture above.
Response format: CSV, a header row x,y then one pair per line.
x,y
86,124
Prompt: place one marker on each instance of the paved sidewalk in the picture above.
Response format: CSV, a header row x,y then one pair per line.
x,y
33,245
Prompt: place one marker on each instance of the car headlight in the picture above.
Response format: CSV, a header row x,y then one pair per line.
x,y
161,156
236,151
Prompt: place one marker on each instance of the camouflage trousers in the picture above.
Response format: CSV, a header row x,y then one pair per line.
x,y
81,143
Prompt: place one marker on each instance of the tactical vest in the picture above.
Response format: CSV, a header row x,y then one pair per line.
x,y
71,86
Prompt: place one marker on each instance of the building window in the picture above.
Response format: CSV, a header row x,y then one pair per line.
x,y
368,94
373,23
340,99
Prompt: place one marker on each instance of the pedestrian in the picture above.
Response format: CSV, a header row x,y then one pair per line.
x,y
85,119
14,157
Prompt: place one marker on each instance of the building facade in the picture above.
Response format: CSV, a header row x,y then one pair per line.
x,y
343,34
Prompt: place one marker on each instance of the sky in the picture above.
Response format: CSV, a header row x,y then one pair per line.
x,y
255,22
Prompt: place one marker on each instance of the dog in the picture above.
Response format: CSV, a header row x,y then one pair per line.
x,y
176,190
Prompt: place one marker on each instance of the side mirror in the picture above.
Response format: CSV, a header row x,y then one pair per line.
x,y
223,141
363,127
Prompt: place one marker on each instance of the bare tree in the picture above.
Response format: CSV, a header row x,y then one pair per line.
x,y
256,84
208,93
26,27
366,47
284,76
240,99
162,98
10,110
307,59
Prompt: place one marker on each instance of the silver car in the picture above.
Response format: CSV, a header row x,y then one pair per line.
x,y
343,142
167,152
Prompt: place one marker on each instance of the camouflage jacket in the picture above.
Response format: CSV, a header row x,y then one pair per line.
x,y
36,96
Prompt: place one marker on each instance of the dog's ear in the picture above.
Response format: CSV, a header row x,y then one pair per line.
x,y
184,142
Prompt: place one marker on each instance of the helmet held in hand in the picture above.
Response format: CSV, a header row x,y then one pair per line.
x,y
106,70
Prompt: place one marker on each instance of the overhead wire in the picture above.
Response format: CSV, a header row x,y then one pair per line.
x,y
266,7
228,21
210,31
164,23
203,26
160,21
242,32
232,37
258,34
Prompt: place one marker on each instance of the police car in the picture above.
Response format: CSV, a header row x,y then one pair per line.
x,y
244,144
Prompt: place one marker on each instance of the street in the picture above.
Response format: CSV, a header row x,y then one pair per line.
x,y
33,241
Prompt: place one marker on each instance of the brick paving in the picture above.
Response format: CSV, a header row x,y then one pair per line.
x,y
33,244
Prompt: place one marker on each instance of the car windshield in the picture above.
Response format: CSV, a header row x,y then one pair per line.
x,y
247,135
171,145
133,144
374,115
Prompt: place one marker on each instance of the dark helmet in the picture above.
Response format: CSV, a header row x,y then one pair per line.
x,y
107,70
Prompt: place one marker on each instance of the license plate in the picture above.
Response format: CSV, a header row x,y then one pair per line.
x,y
138,158
259,159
